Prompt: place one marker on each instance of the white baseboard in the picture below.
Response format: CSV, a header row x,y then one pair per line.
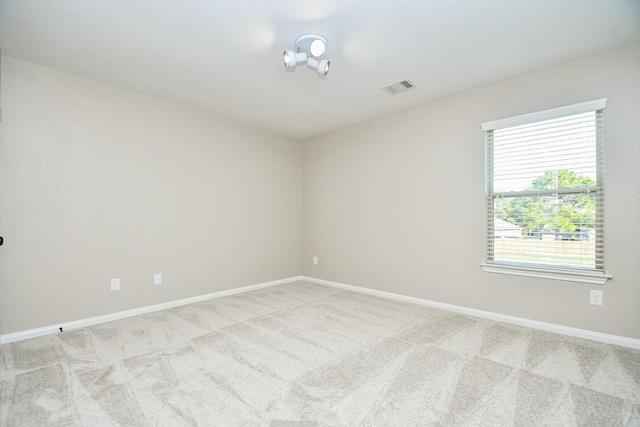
x,y
83,323
549,327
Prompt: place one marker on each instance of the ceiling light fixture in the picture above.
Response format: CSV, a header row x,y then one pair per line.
x,y
309,48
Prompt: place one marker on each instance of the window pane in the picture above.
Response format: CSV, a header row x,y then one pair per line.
x,y
523,154
555,230
545,192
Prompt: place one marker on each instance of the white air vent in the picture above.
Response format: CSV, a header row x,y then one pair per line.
x,y
399,87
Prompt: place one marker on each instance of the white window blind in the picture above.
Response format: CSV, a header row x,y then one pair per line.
x,y
545,189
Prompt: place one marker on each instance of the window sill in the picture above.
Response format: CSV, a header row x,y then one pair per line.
x,y
542,273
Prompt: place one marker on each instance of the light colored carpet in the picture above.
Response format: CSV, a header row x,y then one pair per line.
x,y
302,354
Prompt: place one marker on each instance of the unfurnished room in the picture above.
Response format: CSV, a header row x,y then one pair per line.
x,y
319,213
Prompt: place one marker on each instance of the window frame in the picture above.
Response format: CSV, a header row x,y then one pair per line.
x,y
596,276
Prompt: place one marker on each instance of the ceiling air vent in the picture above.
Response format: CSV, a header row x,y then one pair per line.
x,y
399,87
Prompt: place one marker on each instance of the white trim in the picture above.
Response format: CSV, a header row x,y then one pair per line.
x,y
592,278
549,327
83,323
553,113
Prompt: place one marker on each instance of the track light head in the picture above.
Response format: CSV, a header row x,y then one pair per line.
x,y
321,67
317,48
291,58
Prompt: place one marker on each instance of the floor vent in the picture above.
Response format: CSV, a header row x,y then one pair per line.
x,y
399,87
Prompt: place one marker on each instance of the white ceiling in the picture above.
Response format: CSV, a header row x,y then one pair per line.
x,y
225,56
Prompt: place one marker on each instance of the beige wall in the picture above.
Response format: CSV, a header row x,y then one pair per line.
x,y
397,204
98,183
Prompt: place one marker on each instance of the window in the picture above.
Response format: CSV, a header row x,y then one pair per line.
x,y
545,191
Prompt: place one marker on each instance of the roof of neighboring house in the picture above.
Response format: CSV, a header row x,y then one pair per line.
x,y
503,225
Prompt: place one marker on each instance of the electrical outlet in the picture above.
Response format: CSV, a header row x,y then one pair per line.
x,y
596,297
115,284
315,260
157,279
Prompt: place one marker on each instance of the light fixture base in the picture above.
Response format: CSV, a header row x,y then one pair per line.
x,y
305,43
